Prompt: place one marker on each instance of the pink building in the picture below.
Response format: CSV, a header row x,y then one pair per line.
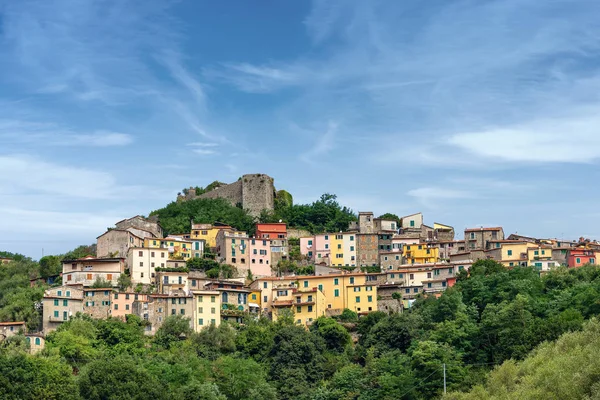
x,y
260,257
316,248
122,303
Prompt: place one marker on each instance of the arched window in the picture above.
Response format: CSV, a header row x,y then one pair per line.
x,y
224,298
37,341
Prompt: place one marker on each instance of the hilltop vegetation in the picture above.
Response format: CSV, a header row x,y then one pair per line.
x,y
495,316
323,215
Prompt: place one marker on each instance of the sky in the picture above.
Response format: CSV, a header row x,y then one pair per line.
x,y
474,112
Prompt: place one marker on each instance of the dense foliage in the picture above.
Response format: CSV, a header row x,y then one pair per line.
x,y
323,215
493,317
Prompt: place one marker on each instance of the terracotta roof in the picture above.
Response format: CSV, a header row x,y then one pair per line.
x,y
11,323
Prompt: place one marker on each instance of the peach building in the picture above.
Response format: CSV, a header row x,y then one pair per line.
x,y
122,303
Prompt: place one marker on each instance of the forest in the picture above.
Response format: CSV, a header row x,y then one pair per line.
x,y
500,333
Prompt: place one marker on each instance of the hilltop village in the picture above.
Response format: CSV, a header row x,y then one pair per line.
x,y
215,273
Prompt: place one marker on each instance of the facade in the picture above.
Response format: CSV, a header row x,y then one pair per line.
x,y
97,303
361,299
343,249
260,256
178,249
208,233
384,241
9,329
477,238
413,221
172,281
36,342
143,261
386,225
306,305
443,232
391,260
198,248
85,271
276,230
365,223
207,308
122,303
234,300
59,304
332,286
116,243
279,251
141,224
157,307
421,253
232,248
581,256
510,253
448,248
367,251
5,260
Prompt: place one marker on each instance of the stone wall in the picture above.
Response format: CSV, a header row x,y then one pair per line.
x,y
297,233
147,224
255,192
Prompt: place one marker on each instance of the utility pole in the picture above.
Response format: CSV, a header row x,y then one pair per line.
x,y
444,378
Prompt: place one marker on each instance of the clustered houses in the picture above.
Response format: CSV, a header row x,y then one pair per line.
x,y
377,264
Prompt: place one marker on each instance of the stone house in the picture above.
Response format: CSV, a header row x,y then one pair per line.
x,y
9,329
36,342
116,243
390,260
140,223
232,249
157,307
59,304
279,251
97,302
367,249
385,298
478,238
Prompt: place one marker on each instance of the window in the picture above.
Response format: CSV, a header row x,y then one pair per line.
x,y
305,283
592,261
321,288
351,248
357,289
127,307
310,253
201,321
326,237
37,341
336,281
212,321
265,299
411,276
436,272
407,290
326,246
339,246
536,253
65,303
55,314
472,235
88,277
162,255
416,290
182,311
429,275
213,299
429,285
412,223
336,292
68,293
543,252
116,306
397,257
264,285
310,308
224,297
299,309
509,252
370,299
200,310
358,299
173,311
352,280
444,284
213,310
65,315
310,242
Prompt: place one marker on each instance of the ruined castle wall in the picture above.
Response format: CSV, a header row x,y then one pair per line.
x,y
258,193
231,192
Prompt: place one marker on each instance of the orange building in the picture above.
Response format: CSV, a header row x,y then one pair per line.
x,y
122,303
276,230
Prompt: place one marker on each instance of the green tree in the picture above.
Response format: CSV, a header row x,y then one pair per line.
x,y
173,329
335,336
242,379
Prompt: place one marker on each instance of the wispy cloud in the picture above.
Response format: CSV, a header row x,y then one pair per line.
x,y
323,144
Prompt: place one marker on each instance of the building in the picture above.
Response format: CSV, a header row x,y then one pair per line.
x,y
385,225
391,260
421,253
478,238
384,241
365,223
208,233
580,256
232,248
510,253
279,251
276,230
412,222
332,286
172,281
207,308
116,243
389,298
122,303
306,305
143,261
367,250
157,307
178,248
260,256
85,271
36,342
9,329
234,300
443,232
59,304
343,249
97,302
141,224
449,248
5,260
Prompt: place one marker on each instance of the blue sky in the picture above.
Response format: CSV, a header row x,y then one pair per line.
x,y
473,112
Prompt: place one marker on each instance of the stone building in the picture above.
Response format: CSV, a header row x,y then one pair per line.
x,y
367,252
36,342
391,260
443,232
389,298
116,243
255,193
97,302
157,307
59,304
142,225
478,238
279,251
8,329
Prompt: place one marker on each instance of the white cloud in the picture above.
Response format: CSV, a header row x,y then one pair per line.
x,y
568,140
323,145
204,152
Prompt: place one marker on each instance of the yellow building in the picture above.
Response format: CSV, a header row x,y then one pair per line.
x,y
421,253
538,253
361,299
511,253
254,299
334,288
307,305
208,233
342,249
207,308
179,249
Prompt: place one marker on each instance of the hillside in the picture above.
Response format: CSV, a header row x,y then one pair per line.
x,y
492,316
325,214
